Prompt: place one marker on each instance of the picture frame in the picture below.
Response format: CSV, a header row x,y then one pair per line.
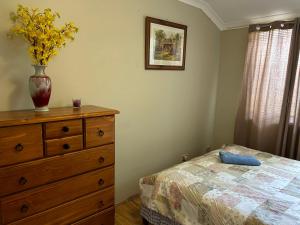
x,y
165,45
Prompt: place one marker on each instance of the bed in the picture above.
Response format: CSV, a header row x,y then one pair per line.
x,y
205,191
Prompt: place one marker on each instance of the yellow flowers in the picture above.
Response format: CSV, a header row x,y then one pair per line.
x,y
37,28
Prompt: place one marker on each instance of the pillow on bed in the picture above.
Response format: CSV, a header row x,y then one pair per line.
x,y
230,158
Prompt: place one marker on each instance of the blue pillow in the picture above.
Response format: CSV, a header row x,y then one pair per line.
x,y
230,158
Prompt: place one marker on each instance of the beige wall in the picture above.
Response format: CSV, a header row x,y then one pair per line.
x,y
232,59
163,113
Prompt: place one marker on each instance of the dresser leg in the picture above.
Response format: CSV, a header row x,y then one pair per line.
x,y
145,222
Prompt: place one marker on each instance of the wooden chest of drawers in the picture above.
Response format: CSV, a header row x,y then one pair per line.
x,y
57,167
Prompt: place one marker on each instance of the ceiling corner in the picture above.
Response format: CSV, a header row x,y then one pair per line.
x,y
247,13
208,10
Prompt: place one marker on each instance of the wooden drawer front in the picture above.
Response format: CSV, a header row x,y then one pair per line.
x,y
30,202
100,131
20,144
64,145
35,173
106,217
63,129
72,211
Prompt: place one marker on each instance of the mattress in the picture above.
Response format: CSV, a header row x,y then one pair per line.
x,y
205,191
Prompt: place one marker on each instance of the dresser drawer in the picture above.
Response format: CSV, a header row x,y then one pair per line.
x,y
106,217
20,144
72,211
100,131
30,202
64,145
63,129
35,173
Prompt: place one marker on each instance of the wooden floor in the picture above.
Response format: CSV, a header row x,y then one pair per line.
x,y
128,213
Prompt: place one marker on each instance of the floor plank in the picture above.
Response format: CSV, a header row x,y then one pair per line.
x,y
128,213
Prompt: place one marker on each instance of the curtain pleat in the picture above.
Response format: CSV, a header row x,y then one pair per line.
x,y
288,136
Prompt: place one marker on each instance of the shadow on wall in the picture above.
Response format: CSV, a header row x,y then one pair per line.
x,y
15,72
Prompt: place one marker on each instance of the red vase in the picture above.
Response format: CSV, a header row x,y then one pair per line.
x,y
40,88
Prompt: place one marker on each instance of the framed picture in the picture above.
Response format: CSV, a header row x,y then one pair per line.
x,y
165,45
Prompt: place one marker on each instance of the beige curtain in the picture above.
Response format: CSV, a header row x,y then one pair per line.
x,y
261,118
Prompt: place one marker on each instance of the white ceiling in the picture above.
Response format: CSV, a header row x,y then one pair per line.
x,y
230,14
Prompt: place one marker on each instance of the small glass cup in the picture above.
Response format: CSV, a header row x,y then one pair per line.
x,y
76,103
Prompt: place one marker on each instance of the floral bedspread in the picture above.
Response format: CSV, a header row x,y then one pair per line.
x,y
206,191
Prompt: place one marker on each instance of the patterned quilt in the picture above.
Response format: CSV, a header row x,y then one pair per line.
x,y
205,191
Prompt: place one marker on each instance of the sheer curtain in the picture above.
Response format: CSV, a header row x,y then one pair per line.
x,y
265,111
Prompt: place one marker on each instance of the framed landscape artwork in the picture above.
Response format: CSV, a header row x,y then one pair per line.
x,y
165,45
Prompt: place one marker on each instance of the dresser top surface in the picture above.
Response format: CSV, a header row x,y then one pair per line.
x,y
22,117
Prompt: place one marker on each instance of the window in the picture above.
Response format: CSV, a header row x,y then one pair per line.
x,y
268,118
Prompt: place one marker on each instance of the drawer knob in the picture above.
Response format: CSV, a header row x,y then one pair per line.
x,y
22,181
19,147
65,129
66,146
101,133
101,182
24,208
101,203
101,159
